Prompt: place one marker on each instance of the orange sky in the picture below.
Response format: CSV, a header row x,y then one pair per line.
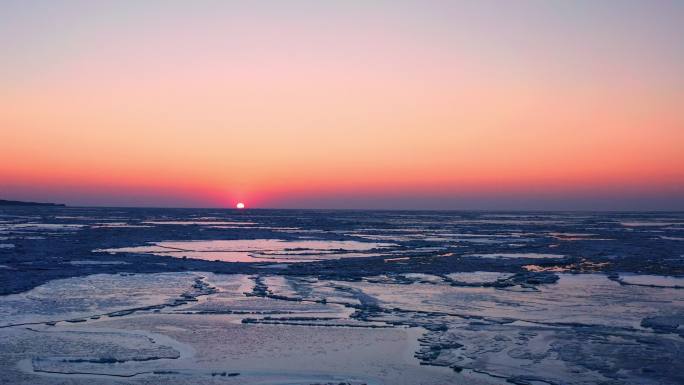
x,y
208,104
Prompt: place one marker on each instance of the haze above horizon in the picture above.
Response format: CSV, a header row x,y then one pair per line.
x,y
494,105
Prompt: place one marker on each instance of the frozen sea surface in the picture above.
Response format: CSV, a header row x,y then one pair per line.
x,y
149,296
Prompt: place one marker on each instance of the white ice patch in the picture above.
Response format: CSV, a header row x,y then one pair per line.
x,y
672,238
517,255
99,263
257,250
200,223
478,277
652,280
45,226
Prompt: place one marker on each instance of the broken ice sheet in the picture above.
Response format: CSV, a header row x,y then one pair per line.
x,y
79,297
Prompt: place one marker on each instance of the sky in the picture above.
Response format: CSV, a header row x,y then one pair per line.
x,y
498,105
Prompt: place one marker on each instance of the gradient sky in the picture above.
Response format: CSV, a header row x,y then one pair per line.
x,y
344,104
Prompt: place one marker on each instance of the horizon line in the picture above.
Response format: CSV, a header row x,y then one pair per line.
x,y
58,205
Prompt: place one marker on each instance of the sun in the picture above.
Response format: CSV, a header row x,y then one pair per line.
x,y
240,205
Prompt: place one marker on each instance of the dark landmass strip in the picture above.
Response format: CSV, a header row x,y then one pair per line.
x,y
21,203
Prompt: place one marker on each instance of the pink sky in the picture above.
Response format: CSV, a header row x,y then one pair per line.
x,y
395,104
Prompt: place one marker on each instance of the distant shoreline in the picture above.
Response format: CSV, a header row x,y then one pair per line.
x,y
22,203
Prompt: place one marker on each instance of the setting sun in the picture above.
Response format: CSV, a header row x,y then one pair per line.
x,y
240,205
